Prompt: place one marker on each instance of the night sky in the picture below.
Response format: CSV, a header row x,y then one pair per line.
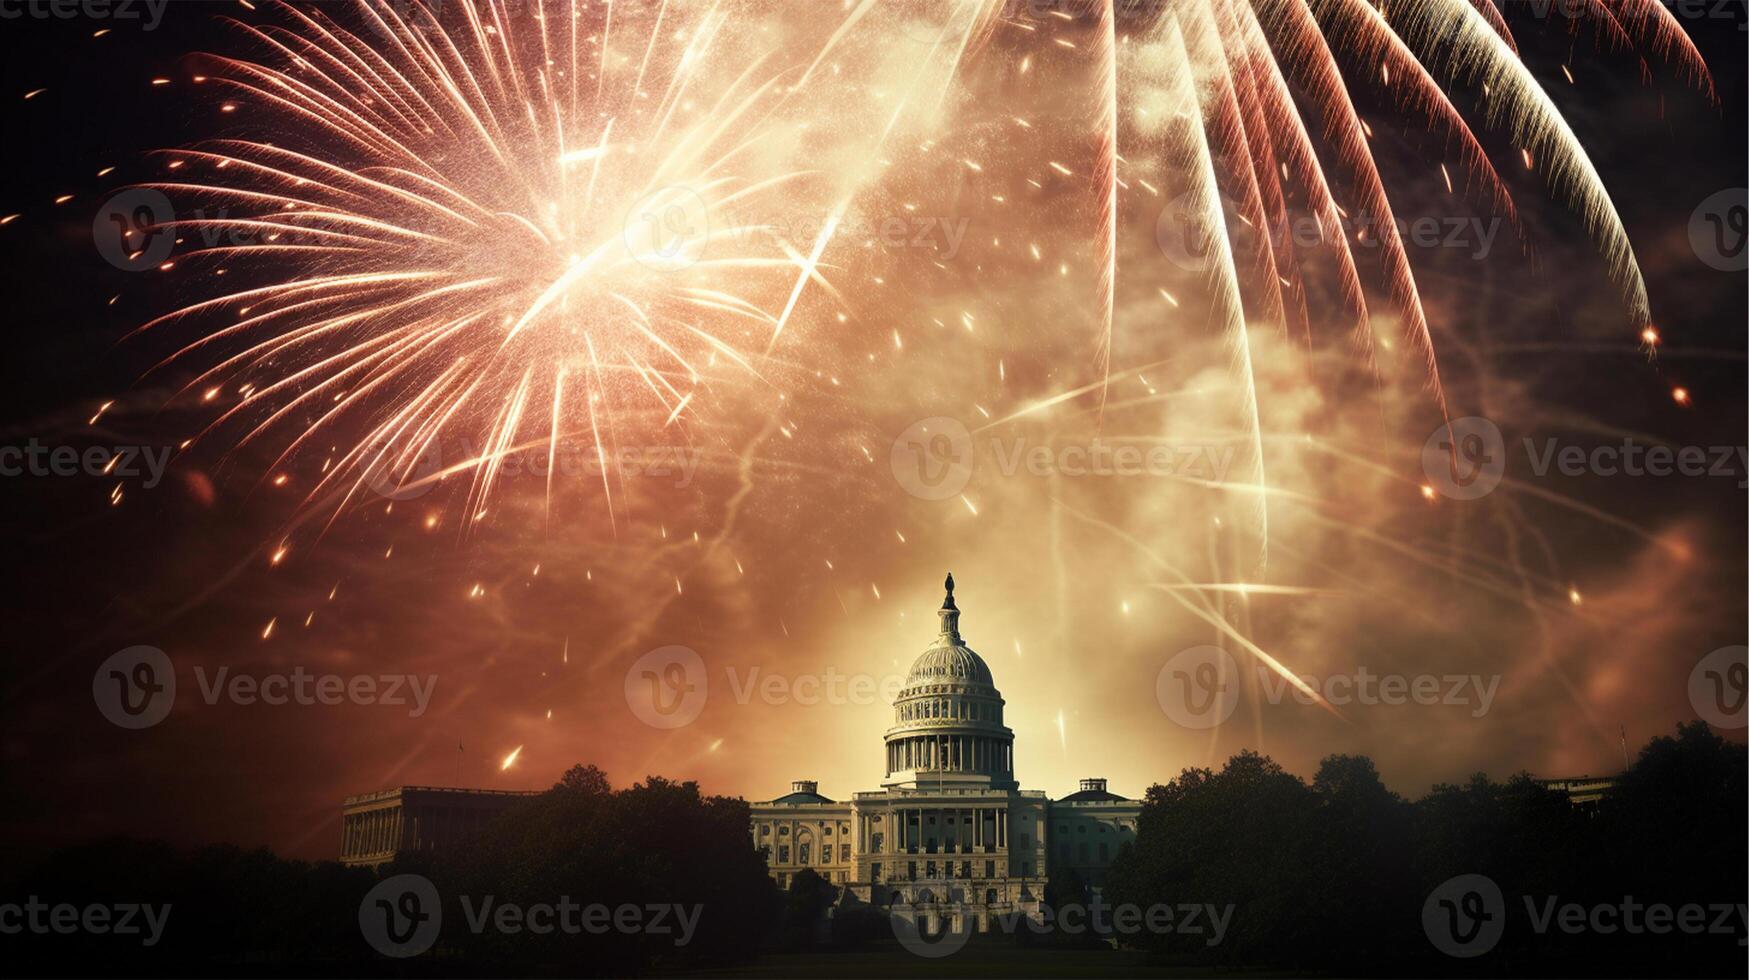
x,y
794,551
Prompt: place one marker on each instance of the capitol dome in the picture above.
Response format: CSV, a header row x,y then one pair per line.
x,y
950,661
948,717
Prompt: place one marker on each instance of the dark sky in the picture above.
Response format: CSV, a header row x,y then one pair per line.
x,y
825,565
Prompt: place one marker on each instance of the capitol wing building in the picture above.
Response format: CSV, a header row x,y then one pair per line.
x,y
950,822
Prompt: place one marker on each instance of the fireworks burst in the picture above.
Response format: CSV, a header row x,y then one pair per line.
x,y
560,225
1210,100
566,223
522,227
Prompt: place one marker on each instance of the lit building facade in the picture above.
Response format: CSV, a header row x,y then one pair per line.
x,y
375,827
950,818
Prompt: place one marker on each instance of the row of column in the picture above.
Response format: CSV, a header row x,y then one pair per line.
x,y
902,836
950,753
373,832
947,709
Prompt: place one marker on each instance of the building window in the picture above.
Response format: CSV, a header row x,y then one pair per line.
x,y
783,854
989,869
911,872
965,869
804,850
1081,852
1063,851
844,852
874,871
1104,851
783,831
827,830
765,830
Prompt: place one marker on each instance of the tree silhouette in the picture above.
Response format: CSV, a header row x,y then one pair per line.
x,y
1333,876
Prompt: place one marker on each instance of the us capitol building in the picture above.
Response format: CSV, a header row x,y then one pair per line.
x,y
949,816
949,823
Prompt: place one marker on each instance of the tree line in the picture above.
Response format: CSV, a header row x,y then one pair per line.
x,y
1331,876
1340,874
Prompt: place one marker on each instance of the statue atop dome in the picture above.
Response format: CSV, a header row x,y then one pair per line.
x,y
950,616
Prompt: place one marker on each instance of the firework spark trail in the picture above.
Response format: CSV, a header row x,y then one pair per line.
x,y
1607,24
1223,127
1490,11
1266,166
1298,150
1655,27
1105,181
1204,192
1372,40
1454,38
1458,38
1198,604
1311,53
